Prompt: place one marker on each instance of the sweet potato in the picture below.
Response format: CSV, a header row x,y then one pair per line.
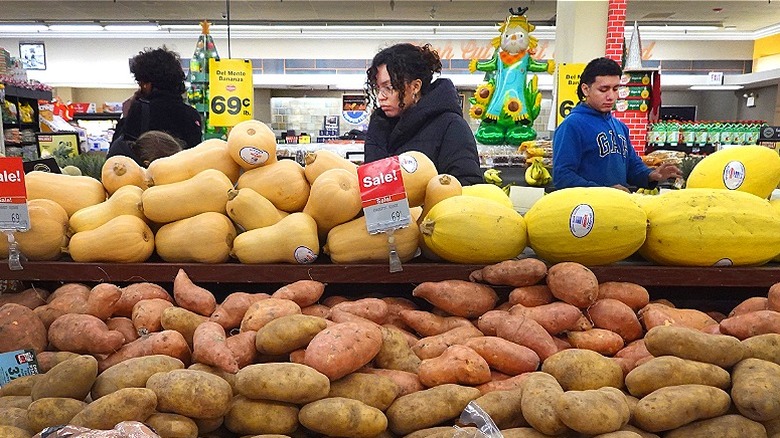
x,y
751,324
773,297
82,333
395,305
20,328
191,296
432,346
333,300
531,296
242,345
136,292
750,305
655,314
102,300
31,297
302,292
230,313
210,347
488,322
515,273
502,383
147,315
503,355
527,332
601,341
337,315
182,321
47,314
319,310
168,342
373,309
616,316
343,348
457,364
630,294
69,298
67,289
573,283
262,312
632,353
430,324
458,297
554,317
298,356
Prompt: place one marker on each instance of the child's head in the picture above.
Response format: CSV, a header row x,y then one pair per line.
x,y
152,145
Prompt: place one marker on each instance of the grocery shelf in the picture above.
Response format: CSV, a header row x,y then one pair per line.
x,y
416,272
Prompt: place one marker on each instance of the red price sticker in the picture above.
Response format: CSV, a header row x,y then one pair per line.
x,y
13,195
383,195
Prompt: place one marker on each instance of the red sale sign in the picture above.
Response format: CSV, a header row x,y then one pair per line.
x,y
383,195
12,188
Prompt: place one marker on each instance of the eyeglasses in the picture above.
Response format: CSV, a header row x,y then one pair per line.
x,y
385,91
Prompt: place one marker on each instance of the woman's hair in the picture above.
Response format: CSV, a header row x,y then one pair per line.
x,y
597,67
160,67
152,145
405,63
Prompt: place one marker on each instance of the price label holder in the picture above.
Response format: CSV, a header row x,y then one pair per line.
x,y
231,91
14,215
384,202
16,364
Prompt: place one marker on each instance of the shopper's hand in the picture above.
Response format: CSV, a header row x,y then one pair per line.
x,y
665,171
620,187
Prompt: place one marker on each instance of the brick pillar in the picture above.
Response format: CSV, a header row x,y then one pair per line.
x,y
636,121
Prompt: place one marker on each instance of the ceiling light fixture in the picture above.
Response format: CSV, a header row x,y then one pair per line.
x,y
716,87
75,27
131,27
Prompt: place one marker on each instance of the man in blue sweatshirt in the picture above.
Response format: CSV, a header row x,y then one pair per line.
x,y
593,149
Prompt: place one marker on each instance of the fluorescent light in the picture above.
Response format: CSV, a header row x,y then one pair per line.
x,y
73,27
132,27
716,87
672,28
23,27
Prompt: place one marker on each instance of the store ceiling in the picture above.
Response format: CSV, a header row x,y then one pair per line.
x,y
737,15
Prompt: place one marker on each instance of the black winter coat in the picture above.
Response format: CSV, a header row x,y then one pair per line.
x,y
167,112
434,126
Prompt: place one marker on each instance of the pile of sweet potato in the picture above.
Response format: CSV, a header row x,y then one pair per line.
x,y
553,353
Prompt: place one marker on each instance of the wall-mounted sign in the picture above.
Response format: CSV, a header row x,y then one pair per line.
x,y
354,109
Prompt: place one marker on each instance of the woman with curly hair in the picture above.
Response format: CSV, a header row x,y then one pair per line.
x,y
411,111
158,104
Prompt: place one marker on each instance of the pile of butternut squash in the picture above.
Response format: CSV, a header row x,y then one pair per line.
x,y
234,199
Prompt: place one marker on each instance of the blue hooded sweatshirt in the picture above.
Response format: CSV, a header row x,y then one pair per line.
x,y
593,149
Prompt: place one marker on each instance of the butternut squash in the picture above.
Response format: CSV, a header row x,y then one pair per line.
x,y
283,183
291,240
206,191
417,169
119,171
47,236
126,200
205,238
319,161
183,165
351,243
251,210
123,239
71,192
334,199
252,144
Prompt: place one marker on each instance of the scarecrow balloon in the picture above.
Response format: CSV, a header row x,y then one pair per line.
x,y
507,102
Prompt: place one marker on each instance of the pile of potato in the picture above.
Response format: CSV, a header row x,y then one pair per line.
x,y
561,355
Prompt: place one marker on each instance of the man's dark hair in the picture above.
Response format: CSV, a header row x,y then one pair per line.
x,y
597,67
160,67
405,63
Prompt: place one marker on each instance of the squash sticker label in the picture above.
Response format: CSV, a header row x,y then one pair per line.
x,y
304,255
581,220
253,155
408,163
724,262
733,175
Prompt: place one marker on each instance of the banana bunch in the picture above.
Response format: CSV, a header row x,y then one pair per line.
x,y
643,191
537,175
535,152
492,176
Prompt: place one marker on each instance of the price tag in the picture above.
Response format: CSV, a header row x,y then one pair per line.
x,y
15,364
568,80
13,196
231,93
384,198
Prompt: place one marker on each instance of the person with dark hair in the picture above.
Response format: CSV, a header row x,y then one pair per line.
x,y
158,103
591,148
411,111
150,146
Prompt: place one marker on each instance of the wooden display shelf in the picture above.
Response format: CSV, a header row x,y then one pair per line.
x,y
642,273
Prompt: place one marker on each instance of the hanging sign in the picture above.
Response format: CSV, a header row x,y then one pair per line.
x,y
13,195
566,88
231,91
383,195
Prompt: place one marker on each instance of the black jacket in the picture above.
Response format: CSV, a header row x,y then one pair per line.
x,y
167,112
434,126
